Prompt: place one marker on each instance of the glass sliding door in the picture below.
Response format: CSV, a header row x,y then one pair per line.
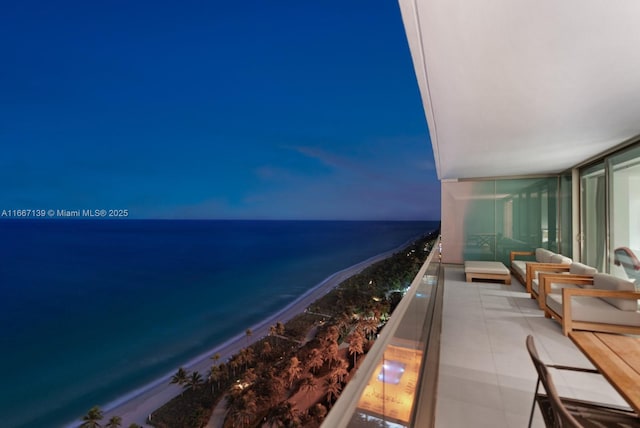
x,y
593,216
624,214
565,212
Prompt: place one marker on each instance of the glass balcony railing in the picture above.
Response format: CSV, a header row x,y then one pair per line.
x,y
387,388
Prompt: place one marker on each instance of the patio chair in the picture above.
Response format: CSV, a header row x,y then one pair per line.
x,y
569,412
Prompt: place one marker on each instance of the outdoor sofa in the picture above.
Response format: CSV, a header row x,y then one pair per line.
x,y
609,305
573,275
545,260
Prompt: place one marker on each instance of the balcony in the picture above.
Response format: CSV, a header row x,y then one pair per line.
x,y
454,354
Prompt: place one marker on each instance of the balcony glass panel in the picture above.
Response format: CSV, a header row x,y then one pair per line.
x,y
384,391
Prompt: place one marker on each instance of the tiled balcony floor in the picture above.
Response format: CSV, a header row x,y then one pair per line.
x,y
486,377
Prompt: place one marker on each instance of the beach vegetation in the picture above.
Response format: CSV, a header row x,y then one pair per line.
x,y
301,368
297,328
308,383
92,418
294,370
332,389
114,422
194,381
243,409
180,377
266,350
318,412
315,360
247,356
214,376
283,415
356,344
248,333
280,328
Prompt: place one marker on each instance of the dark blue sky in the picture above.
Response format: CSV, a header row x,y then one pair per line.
x,y
208,109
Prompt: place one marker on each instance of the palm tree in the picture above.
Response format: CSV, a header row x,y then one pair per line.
x,y
340,372
356,343
266,350
294,370
274,416
214,375
282,415
275,332
248,334
343,321
332,387
194,381
308,384
114,422
280,329
249,376
234,364
275,384
248,357
134,426
243,410
216,357
224,370
332,334
369,326
180,378
315,360
92,418
331,352
319,412
290,415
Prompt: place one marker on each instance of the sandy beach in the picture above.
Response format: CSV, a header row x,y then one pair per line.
x,y
136,406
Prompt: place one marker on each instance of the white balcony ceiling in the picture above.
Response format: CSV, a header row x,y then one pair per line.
x,y
525,87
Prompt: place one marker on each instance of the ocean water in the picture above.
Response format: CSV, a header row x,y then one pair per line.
x,y
91,310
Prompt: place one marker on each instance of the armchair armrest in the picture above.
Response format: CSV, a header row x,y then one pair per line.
x,y
546,279
513,254
597,292
568,293
533,267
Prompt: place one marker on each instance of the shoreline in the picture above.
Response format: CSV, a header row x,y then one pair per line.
x,y
137,405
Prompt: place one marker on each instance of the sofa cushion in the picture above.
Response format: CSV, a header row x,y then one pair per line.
x,y
559,258
581,269
520,266
605,281
593,309
543,255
